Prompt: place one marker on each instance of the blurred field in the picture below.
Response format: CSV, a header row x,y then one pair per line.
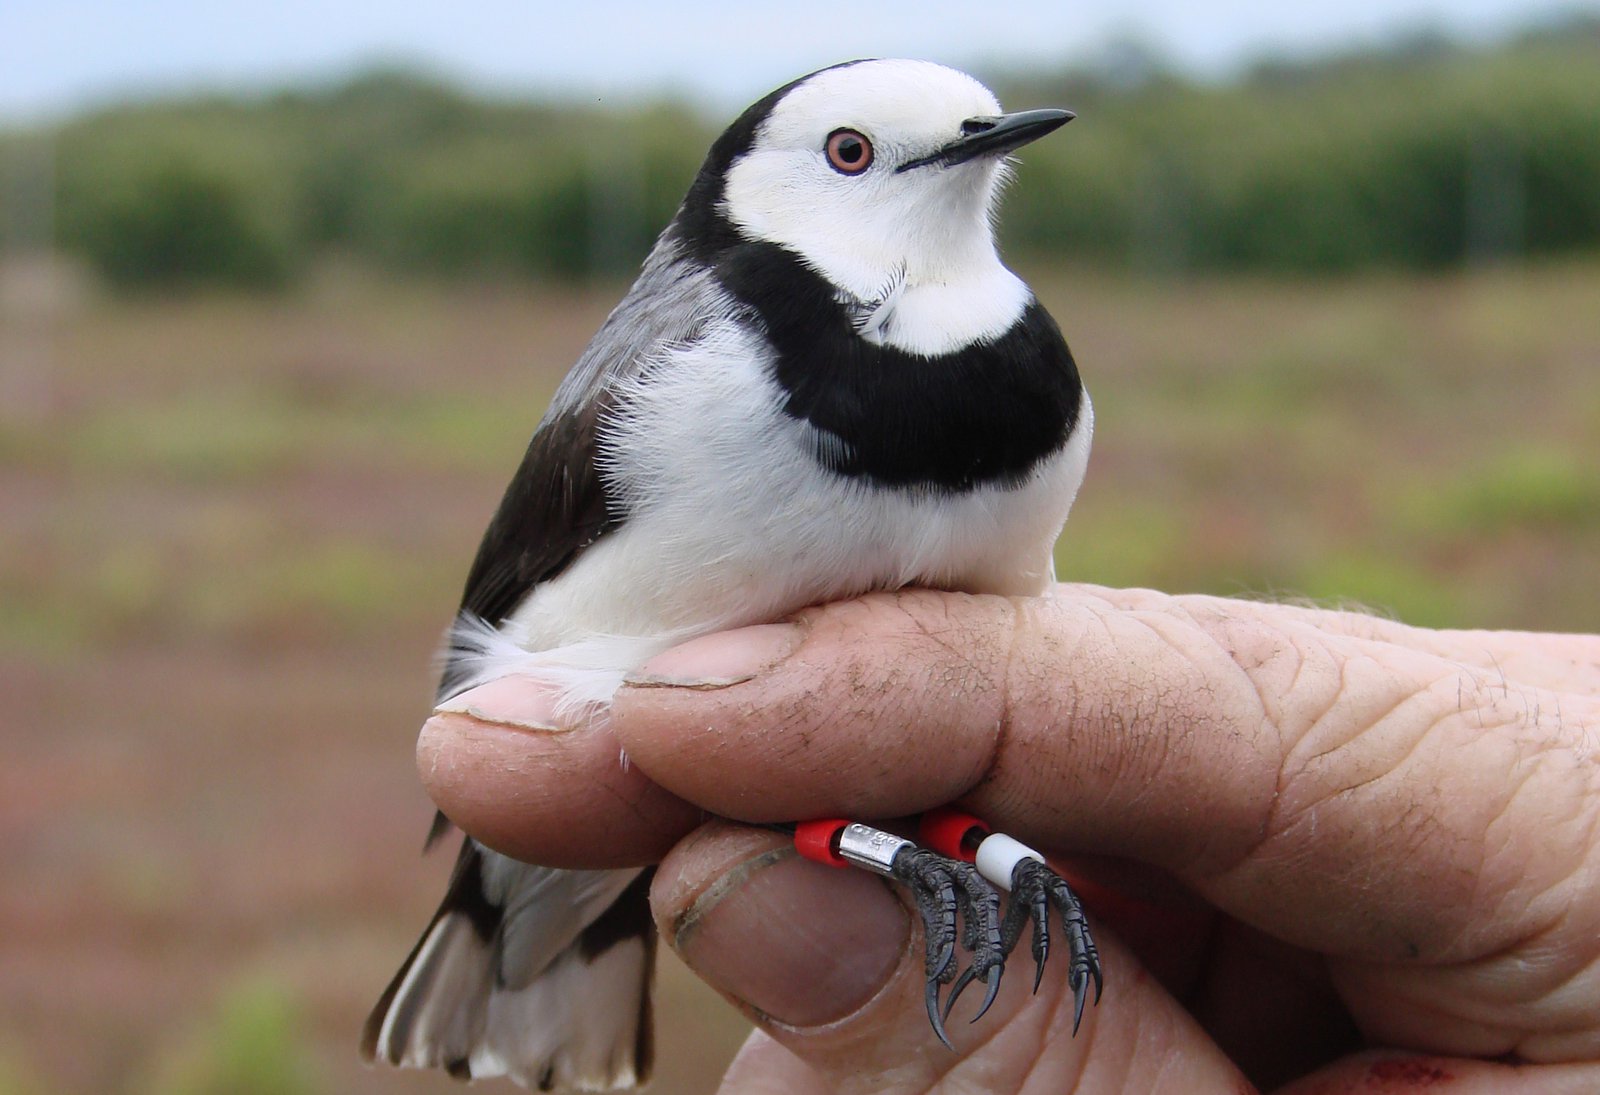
x,y
233,528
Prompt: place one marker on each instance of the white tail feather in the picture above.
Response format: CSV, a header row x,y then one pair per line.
x,y
577,1026
438,1013
545,1000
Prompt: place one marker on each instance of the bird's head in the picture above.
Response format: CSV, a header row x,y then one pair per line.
x,y
873,172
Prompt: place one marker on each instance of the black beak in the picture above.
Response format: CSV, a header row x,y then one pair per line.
x,y
994,136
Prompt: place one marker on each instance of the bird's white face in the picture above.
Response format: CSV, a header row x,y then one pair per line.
x,y
829,177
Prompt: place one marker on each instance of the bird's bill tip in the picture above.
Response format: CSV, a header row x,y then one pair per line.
x,y
995,135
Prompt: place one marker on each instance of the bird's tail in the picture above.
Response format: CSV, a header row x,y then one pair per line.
x,y
539,975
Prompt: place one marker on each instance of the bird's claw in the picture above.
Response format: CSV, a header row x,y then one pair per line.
x,y
969,975
933,1012
947,891
1034,888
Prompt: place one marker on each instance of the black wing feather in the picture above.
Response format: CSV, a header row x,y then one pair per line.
x,y
554,508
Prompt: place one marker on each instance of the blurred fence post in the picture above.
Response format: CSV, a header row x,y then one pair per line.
x,y
616,205
1159,244
1496,199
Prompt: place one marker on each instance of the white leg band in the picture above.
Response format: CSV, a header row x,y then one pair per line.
x,y
999,855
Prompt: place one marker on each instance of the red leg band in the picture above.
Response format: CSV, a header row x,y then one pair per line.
x,y
817,841
945,831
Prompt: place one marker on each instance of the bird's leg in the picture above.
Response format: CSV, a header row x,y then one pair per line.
x,y
945,889
956,878
1034,887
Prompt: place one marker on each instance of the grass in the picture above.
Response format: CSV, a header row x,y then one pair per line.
x,y
236,526
15,1079
1376,439
250,1045
1528,487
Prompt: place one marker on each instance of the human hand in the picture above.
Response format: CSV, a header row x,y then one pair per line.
x,y
1313,831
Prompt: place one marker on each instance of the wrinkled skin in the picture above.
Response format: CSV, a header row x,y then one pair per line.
x,y
1322,852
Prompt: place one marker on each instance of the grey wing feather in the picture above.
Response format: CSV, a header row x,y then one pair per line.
x,y
670,302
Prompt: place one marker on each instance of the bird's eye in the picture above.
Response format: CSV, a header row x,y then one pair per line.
x,y
849,153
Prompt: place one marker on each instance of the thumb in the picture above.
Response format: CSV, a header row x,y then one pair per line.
x,y
829,963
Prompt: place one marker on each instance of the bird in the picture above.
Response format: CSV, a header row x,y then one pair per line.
x,y
824,382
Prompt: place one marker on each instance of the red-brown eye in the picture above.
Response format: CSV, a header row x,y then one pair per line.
x,y
849,153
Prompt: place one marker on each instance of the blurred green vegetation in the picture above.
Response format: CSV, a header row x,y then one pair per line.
x,y
400,170
252,1045
15,1077
1527,488
1419,156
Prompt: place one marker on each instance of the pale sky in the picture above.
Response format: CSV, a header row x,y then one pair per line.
x,y
56,55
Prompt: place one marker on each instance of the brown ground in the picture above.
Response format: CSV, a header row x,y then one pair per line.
x,y
233,529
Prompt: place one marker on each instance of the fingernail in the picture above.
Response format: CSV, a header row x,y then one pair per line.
x,y
515,702
717,661
799,942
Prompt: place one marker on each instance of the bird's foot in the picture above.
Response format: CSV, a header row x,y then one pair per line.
x,y
1034,888
956,894
944,888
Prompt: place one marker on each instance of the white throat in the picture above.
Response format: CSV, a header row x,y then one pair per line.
x,y
934,318
928,282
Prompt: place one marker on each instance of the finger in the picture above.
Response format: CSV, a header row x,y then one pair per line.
x,y
829,963
1564,662
500,765
1386,1073
1270,1008
1070,721
1349,794
765,1067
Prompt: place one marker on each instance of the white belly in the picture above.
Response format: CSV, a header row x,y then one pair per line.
x,y
731,521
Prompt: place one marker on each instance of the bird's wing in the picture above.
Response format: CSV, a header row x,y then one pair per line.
x,y
489,989
557,503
